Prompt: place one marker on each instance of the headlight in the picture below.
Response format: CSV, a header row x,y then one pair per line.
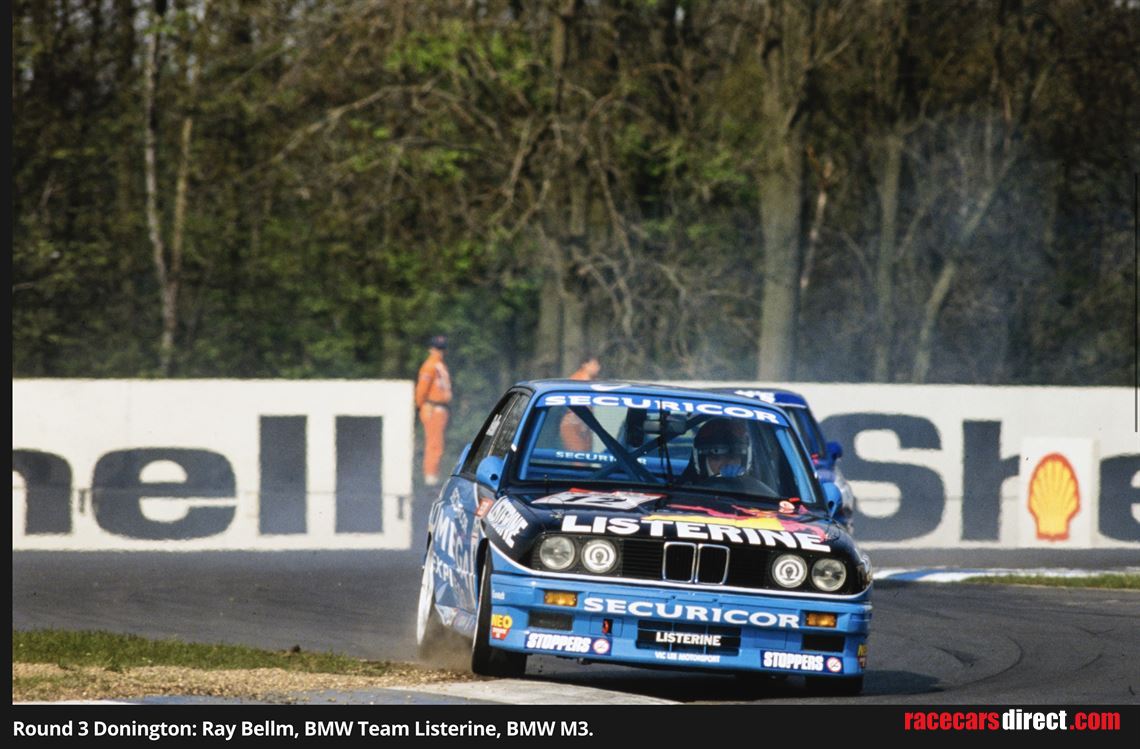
x,y
599,556
789,570
828,574
556,553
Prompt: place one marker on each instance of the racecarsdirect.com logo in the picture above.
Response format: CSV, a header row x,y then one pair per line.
x,y
1054,497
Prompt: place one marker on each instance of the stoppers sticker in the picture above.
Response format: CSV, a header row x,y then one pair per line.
x,y
558,643
792,661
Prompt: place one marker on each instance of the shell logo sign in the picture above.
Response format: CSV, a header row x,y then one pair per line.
x,y
1058,490
1054,497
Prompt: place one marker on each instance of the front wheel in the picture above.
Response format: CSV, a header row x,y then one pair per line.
x,y
486,660
429,629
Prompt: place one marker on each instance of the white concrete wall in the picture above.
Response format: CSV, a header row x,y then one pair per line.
x,y
931,465
82,421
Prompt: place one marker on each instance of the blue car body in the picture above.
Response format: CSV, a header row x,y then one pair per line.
x,y
624,552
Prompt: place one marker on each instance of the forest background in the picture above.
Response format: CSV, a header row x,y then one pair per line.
x,y
839,190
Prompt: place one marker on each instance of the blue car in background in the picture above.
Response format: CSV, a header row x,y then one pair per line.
x,y
644,525
825,454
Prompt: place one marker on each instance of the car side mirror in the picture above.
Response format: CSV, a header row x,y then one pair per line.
x,y
834,449
833,496
490,471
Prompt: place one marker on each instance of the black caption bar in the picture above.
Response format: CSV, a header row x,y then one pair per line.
x,y
672,725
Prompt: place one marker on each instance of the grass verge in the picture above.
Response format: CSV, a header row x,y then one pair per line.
x,y
112,652
50,665
1124,581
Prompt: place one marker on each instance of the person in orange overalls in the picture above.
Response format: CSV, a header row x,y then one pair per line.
x,y
433,396
576,436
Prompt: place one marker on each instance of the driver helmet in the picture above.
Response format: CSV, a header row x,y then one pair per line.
x,y
721,437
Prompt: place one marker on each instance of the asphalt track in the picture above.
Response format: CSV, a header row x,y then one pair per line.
x,y
930,643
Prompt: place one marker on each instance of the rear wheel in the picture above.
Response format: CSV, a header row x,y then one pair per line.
x,y
429,629
486,660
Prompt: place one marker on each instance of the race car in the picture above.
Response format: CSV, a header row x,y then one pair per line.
x,y
688,531
825,454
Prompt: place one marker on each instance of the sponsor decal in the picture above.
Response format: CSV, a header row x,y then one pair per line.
x,y
708,408
500,626
752,517
507,521
740,517
610,500
498,595
688,638
690,612
584,455
460,516
834,665
558,643
601,646
761,395
686,657
451,544
861,655
1054,497
792,661
695,528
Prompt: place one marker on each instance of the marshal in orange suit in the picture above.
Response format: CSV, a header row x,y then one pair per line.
x,y
576,436
433,399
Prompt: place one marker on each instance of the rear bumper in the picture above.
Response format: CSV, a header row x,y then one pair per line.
x,y
678,627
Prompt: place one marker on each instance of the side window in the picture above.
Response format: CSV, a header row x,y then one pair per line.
x,y
495,439
481,446
501,443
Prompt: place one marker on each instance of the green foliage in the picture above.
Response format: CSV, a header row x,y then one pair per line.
x,y
1117,581
361,176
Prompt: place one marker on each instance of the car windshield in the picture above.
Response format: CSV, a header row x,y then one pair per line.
x,y
682,443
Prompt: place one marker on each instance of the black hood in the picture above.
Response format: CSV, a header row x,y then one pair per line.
x,y
518,520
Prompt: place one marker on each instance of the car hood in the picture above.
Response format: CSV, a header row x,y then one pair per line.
x,y
517,520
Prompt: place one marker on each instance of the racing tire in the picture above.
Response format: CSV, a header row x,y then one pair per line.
x,y
834,686
430,632
486,660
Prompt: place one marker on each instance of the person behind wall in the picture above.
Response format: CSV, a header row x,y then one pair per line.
x,y
576,436
433,399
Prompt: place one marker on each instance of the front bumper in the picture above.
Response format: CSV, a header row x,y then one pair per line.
x,y
648,625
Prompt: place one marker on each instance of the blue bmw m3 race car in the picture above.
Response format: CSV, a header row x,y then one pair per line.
x,y
647,526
